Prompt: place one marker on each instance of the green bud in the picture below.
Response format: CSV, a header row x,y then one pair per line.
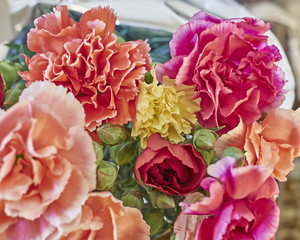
x,y
11,97
107,173
111,134
133,199
98,151
161,200
148,78
124,153
204,139
208,156
155,220
236,153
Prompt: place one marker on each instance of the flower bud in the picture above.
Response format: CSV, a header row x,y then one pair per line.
x,y
204,139
98,151
107,173
236,153
133,199
208,156
124,153
111,134
161,200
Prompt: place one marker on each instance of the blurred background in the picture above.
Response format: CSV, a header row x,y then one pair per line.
x,y
283,14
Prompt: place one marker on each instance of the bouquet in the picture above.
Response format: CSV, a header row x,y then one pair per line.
x,y
99,141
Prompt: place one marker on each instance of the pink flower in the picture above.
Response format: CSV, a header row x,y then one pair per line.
x,y
104,217
170,168
231,65
186,225
241,204
86,58
275,141
47,163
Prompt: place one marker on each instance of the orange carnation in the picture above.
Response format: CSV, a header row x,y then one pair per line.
x,y
86,58
104,217
275,141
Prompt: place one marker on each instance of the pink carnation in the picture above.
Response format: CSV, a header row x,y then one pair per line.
x,y
234,70
186,225
86,59
47,163
241,204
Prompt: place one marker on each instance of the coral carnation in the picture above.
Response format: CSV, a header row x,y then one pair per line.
x,y
86,58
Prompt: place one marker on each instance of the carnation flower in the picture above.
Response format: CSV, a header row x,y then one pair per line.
x,y
241,203
165,109
275,141
104,217
186,225
234,70
86,58
170,168
47,163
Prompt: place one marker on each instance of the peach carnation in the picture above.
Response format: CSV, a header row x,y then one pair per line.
x,y
47,163
104,217
86,58
275,141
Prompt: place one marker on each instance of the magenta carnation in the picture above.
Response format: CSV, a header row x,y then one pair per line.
x,y
233,68
241,204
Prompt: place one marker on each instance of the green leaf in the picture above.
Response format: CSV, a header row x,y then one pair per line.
x,y
155,220
9,73
133,199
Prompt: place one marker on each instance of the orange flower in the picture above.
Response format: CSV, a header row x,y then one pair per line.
x,y
47,163
86,58
52,31
275,141
104,217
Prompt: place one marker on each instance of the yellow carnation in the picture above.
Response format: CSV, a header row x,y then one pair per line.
x,y
166,109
